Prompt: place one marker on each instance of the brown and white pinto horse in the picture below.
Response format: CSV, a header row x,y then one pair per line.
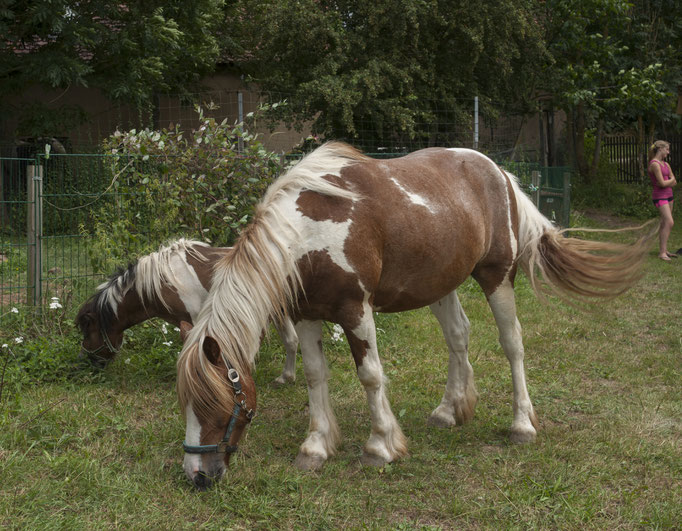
x,y
341,236
172,284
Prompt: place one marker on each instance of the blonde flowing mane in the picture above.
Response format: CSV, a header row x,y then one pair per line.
x,y
258,281
147,276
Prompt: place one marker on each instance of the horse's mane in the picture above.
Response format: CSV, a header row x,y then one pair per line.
x,y
258,281
147,276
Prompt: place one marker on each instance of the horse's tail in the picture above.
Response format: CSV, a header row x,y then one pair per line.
x,y
571,268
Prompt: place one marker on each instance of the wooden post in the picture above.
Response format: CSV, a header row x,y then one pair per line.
x,y
567,200
34,229
535,181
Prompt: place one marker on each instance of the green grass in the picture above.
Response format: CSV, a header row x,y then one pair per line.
x,y
87,449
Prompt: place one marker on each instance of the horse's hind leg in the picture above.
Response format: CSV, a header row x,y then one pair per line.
x,y
289,338
323,432
386,442
501,302
460,396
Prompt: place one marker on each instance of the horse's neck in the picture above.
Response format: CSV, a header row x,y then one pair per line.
x,y
132,311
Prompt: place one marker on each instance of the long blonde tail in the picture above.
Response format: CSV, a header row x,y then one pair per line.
x,y
575,269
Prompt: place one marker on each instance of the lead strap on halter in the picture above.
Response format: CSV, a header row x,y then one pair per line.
x,y
224,446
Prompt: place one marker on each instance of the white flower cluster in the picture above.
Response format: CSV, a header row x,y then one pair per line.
x,y
337,333
54,305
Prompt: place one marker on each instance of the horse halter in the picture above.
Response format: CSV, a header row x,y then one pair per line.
x,y
106,342
224,446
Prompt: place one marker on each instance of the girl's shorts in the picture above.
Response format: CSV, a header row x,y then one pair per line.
x,y
660,202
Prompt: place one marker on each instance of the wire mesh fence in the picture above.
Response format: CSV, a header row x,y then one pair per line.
x,y
51,210
425,123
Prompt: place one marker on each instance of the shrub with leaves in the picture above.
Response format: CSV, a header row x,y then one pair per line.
x,y
165,184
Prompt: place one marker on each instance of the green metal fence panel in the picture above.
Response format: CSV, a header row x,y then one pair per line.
x,y
15,248
50,206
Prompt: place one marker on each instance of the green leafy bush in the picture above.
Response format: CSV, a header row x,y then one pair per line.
x,y
165,184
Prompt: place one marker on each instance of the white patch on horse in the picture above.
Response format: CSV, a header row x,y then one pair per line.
x,y
192,462
189,288
327,235
414,198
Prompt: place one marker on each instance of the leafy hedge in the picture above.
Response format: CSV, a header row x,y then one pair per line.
x,y
170,183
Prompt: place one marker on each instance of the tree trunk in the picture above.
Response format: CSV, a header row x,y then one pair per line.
x,y
597,150
579,139
641,157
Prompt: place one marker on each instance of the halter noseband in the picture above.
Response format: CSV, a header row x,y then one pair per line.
x,y
224,446
106,342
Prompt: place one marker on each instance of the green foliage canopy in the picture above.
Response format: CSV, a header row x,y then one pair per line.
x,y
393,67
129,50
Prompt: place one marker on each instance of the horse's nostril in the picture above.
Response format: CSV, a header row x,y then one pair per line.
x,y
202,481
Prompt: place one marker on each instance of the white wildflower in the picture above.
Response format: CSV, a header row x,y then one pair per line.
x,y
18,340
164,329
337,333
5,345
55,303
127,361
176,329
14,310
168,343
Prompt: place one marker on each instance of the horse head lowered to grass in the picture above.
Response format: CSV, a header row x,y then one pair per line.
x,y
171,284
341,236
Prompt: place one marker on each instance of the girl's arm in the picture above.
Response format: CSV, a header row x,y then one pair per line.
x,y
656,170
672,176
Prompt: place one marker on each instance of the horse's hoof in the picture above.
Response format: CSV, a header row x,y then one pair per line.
x,y
440,421
282,380
372,460
309,462
519,436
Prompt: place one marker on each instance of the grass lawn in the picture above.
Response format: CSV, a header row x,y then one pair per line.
x,y
87,449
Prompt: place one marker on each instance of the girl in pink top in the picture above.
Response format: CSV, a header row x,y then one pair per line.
x,y
663,181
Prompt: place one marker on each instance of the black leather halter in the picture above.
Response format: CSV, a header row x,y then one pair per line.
x,y
224,446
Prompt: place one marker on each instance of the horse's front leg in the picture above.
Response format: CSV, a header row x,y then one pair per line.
x,y
323,431
287,333
386,442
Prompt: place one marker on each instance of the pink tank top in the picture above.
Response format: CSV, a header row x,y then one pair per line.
x,y
658,192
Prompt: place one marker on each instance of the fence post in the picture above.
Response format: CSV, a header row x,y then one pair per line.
x,y
535,182
475,122
567,200
34,229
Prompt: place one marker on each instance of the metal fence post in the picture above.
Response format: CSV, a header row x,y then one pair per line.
x,y
475,122
34,230
535,182
567,200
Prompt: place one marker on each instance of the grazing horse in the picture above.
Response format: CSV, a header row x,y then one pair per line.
x,y
172,284
341,236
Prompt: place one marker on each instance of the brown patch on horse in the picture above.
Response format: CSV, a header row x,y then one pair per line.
x,y
170,296
499,262
323,207
398,244
331,293
358,348
204,268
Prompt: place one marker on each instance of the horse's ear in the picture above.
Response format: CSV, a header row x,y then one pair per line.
x,y
212,351
185,327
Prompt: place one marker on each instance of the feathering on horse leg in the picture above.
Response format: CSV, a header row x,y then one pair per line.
x,y
287,333
459,399
323,431
502,304
386,442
